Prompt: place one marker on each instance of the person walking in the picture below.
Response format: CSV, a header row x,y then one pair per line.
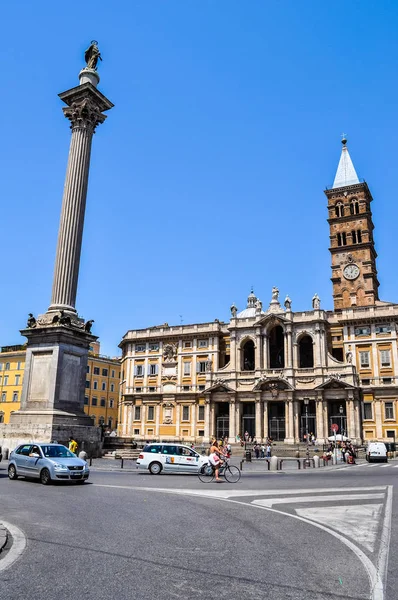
x,y
73,445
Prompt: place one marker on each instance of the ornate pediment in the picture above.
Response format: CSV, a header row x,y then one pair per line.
x,y
272,384
269,320
219,385
334,381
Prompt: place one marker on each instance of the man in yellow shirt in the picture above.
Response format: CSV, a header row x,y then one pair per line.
x,y
72,445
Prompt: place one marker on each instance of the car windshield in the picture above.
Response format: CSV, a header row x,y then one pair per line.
x,y
57,452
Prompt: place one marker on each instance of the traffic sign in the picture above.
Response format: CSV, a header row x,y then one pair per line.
x,y
335,427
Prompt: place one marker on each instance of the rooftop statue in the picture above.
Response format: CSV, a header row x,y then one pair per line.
x,y
92,55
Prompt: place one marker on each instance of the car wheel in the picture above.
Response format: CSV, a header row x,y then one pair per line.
x,y
45,477
12,472
155,468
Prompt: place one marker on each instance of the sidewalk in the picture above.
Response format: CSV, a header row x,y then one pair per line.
x,y
3,537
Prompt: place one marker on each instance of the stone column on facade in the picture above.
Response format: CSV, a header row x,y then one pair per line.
x,y
207,418
317,349
378,418
232,428
258,416
291,421
193,419
143,420
320,430
238,423
130,420
350,418
257,351
325,418
289,362
265,352
232,350
212,419
357,419
295,356
157,426
265,419
84,110
296,417
216,355
124,421
178,420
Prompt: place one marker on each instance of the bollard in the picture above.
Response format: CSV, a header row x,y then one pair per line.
x,y
334,460
241,464
121,466
91,461
5,453
316,461
273,466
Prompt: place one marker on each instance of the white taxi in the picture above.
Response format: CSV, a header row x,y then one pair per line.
x,y
170,458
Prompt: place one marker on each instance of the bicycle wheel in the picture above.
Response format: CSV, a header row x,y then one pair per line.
x,y
232,474
206,474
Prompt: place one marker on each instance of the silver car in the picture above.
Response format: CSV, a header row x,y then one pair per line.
x,y
47,462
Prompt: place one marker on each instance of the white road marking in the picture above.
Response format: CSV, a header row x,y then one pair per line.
x,y
385,537
332,497
359,522
384,466
218,492
17,548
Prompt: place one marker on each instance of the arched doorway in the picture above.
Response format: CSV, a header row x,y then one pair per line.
x,y
248,356
306,352
277,348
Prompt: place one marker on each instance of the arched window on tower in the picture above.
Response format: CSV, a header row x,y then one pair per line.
x,y
341,239
306,352
276,348
339,209
359,236
248,356
356,236
354,206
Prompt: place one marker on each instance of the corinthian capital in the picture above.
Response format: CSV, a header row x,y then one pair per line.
x,y
84,114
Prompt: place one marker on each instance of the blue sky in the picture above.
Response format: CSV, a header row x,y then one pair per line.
x,y
208,175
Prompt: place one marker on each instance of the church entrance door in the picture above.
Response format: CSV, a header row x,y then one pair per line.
x,y
276,422
248,419
222,420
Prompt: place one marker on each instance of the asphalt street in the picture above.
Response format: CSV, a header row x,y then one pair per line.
x,y
319,534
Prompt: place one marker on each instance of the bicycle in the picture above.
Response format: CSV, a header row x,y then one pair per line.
x,y
230,472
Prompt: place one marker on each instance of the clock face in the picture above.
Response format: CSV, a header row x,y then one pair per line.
x,y
351,271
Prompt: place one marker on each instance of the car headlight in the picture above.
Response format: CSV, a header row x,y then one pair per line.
x,y
86,467
58,467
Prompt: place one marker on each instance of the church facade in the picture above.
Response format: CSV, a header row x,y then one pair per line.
x,y
270,371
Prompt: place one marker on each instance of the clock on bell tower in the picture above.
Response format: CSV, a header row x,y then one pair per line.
x,y
354,273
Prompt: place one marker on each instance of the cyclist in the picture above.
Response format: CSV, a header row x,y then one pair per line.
x,y
215,458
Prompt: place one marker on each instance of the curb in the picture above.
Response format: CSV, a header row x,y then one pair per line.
x,y
3,536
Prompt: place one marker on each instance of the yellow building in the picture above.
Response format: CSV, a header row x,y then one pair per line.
x,y
12,365
102,384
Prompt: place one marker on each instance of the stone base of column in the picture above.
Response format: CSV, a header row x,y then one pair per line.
x,y
289,440
52,402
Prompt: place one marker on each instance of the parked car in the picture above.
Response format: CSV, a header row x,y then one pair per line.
x,y
376,451
47,462
170,458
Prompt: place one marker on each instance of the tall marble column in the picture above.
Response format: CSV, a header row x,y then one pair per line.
x,y
258,417
85,105
232,430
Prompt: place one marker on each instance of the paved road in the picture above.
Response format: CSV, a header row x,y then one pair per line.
x,y
313,534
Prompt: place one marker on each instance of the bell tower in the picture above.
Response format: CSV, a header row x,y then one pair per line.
x,y
354,273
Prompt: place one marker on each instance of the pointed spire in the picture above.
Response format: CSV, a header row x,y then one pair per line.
x,y
346,174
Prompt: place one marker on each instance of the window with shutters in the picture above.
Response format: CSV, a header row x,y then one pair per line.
x,y
389,410
139,370
5,382
86,400
153,369
201,366
367,410
96,371
15,397
185,413
104,372
187,369
94,401
112,373
137,413
385,358
103,402
111,403
151,413
95,385
112,387
201,413
103,386
364,359
87,384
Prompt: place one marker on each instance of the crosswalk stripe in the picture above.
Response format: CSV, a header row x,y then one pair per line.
x,y
395,466
306,499
384,466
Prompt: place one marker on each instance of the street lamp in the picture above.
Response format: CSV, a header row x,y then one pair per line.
x,y
307,452
341,411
